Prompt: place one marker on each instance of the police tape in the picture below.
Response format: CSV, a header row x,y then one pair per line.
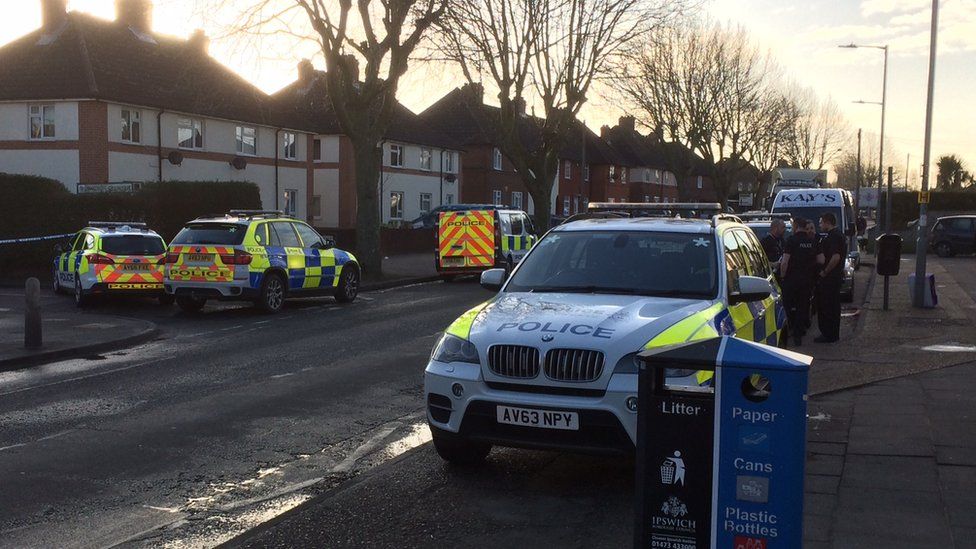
x,y
35,238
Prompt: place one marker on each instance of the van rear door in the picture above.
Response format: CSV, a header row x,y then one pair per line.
x,y
466,239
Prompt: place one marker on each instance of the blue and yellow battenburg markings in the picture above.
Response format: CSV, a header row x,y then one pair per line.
x,y
517,242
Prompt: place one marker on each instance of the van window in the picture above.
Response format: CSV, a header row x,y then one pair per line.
x,y
516,224
505,223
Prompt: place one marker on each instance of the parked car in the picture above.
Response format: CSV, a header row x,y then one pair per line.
x,y
954,234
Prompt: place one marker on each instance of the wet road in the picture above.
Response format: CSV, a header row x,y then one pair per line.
x,y
166,442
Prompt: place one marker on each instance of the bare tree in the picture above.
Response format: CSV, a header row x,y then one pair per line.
x,y
817,132
769,148
706,87
544,52
367,45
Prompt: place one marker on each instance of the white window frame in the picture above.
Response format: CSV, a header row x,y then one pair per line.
x,y
396,156
586,172
426,156
698,182
195,127
429,199
496,159
612,172
567,170
132,120
576,204
240,134
449,198
396,205
289,142
316,150
496,197
291,202
450,163
517,200
566,205
41,114
623,176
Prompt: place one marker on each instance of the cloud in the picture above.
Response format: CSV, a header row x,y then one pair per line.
x,y
883,7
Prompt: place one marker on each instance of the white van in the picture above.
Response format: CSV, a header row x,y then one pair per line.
x,y
812,203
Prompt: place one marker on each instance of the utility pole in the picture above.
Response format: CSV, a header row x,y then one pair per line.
x,y
857,184
908,166
884,103
922,243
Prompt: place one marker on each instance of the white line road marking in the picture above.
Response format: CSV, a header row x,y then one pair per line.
x,y
12,446
364,298
364,449
279,376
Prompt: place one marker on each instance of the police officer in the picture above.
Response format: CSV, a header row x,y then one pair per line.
x,y
773,244
834,249
800,259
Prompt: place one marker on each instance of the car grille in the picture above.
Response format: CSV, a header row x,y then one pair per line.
x,y
573,365
515,361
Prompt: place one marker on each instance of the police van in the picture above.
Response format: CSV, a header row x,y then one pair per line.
x,y
470,241
112,257
258,256
549,362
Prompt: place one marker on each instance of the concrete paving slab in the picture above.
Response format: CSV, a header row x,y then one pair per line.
x,y
915,474
884,514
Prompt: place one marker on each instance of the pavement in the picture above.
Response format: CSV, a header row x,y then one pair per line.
x,y
66,331
404,269
891,455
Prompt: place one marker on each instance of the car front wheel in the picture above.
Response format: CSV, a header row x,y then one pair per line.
x,y
348,287
272,297
460,451
944,249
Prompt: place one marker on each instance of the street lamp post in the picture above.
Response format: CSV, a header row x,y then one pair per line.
x,y
883,103
922,243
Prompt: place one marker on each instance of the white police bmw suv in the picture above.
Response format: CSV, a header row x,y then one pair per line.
x,y
549,362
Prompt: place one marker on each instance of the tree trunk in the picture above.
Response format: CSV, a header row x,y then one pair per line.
x,y
542,199
367,159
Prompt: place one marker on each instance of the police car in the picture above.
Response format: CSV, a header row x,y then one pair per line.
x,y
256,255
108,257
549,362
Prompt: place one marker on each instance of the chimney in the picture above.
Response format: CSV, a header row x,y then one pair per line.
x,y
605,132
519,104
627,123
305,71
475,93
136,14
53,13
199,42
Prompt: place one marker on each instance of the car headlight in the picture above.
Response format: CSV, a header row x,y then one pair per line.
x,y
454,349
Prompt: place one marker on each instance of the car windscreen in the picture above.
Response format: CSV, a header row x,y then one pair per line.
x,y
632,262
812,213
133,245
221,234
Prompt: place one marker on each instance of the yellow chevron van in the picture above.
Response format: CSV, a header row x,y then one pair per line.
x,y
470,241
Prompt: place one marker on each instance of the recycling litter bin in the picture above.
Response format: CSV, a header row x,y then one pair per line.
x,y
720,457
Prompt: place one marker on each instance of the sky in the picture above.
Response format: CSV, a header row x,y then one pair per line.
x,y
802,34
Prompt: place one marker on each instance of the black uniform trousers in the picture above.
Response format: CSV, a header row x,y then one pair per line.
x,y
828,307
796,299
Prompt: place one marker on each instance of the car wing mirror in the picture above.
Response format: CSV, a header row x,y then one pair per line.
x,y
492,279
751,288
328,242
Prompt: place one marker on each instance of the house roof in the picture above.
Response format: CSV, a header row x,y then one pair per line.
x,y
306,102
463,115
638,150
90,58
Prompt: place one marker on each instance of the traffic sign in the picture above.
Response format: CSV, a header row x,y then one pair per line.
x,y
923,197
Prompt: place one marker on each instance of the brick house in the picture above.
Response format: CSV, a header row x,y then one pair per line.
x,y
589,169
649,179
421,168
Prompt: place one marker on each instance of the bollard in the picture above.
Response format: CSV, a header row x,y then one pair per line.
x,y
32,314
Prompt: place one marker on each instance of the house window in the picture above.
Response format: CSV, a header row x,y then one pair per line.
x,y
131,126
586,172
613,172
576,204
517,200
647,198
567,170
396,156
450,162
449,199
291,202
657,199
316,149
247,140
289,142
315,206
189,133
566,205
496,158
396,205
623,175
425,156
424,203
42,121
699,182
496,198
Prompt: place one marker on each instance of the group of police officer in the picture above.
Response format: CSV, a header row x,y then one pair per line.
x,y
810,268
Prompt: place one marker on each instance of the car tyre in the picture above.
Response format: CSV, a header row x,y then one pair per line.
x,y
944,249
348,287
57,282
448,278
81,298
460,451
272,297
191,304
167,299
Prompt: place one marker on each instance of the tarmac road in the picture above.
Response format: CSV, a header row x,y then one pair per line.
x,y
229,410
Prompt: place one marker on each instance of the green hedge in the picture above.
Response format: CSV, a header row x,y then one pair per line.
x,y
35,206
904,206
